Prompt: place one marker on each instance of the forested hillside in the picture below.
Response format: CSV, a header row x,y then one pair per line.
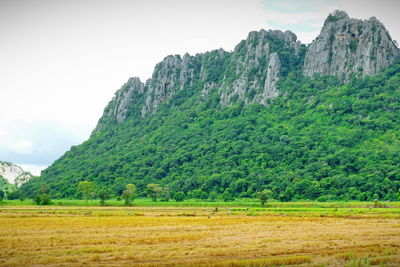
x,y
252,119
321,140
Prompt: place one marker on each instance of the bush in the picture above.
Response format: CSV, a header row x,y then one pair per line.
x,y
46,199
179,196
213,196
226,196
13,195
42,199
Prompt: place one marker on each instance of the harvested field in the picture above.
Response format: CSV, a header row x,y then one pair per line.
x,y
178,236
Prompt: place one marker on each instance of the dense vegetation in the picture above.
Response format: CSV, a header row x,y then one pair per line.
x,y
5,186
321,140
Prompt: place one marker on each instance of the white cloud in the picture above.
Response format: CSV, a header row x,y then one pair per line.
x,y
34,169
21,146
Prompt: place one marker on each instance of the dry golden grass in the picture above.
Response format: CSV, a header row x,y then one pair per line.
x,y
187,237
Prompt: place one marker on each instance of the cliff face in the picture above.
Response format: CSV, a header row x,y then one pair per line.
x,y
170,76
123,104
348,46
14,174
248,74
256,66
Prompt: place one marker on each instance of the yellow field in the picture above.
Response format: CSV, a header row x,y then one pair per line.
x,y
60,236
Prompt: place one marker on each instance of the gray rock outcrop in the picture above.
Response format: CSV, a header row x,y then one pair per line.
x,y
348,46
250,73
270,89
122,103
258,69
14,174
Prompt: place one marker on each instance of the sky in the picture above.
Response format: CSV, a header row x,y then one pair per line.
x,y
62,61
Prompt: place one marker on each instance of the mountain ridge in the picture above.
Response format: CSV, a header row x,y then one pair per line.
x,y
250,119
262,60
207,70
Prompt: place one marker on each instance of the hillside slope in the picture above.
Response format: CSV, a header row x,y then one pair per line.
x,y
251,119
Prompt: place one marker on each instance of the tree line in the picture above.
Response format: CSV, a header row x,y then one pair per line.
x,y
88,191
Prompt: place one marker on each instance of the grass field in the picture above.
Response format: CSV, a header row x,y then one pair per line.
x,y
244,202
304,234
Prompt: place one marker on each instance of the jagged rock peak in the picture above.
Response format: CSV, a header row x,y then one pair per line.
x,y
336,15
288,37
258,66
348,46
118,109
170,75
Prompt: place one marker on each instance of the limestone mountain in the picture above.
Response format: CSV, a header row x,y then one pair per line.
x,y
248,74
14,174
306,122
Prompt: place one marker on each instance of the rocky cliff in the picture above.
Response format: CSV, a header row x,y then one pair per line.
x,y
348,46
249,74
14,174
123,103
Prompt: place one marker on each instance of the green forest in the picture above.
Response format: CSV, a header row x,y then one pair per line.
x,y
320,140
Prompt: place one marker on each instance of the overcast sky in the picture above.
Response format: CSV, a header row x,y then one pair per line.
x,y
62,61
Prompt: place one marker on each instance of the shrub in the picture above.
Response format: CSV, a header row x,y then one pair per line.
x,y
42,199
179,196
13,195
226,196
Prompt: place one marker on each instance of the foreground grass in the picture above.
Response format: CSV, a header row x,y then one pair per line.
x,y
198,236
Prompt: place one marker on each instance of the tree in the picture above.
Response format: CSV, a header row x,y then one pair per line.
x,y
1,195
42,198
213,196
179,196
287,195
13,195
45,199
87,189
264,196
153,191
227,196
103,195
165,194
129,194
